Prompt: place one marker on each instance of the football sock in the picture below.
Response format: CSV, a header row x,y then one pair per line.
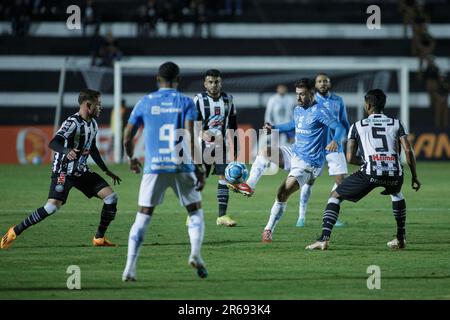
x,y
196,230
276,213
258,168
108,214
304,198
399,209
222,197
334,187
330,217
37,216
136,237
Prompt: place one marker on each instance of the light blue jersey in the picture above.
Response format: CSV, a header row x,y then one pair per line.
x,y
311,129
163,112
336,106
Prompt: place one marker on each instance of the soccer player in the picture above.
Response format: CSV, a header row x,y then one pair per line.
x,y
381,139
168,119
337,166
217,112
72,144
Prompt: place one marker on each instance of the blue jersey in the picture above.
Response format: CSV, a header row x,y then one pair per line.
x,y
311,129
163,112
336,106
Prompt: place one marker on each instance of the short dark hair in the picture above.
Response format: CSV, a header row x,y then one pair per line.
x,y
376,98
304,83
322,74
88,95
213,73
169,71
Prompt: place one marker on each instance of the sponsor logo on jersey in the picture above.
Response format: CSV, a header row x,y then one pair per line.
x,y
381,157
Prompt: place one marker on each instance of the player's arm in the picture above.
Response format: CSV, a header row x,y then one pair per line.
x,y
95,155
411,160
352,157
196,155
343,116
339,136
58,142
128,143
284,127
195,147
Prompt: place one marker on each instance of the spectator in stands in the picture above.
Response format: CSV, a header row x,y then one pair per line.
x,y
202,15
20,17
423,44
237,7
172,15
149,15
91,19
110,51
408,9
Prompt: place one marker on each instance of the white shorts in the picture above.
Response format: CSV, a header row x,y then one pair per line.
x,y
304,172
154,185
337,163
287,153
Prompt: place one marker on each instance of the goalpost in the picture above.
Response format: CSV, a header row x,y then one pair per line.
x,y
261,64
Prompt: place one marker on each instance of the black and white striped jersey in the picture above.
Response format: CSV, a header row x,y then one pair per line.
x,y
222,108
77,134
378,140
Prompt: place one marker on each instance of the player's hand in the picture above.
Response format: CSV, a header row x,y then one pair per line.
x,y
73,154
135,165
415,184
267,127
332,146
200,172
115,178
206,137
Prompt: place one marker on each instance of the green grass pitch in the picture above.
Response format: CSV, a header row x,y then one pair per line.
x,y
239,265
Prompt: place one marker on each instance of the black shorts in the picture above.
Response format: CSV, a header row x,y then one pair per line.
x,y
219,168
90,183
358,185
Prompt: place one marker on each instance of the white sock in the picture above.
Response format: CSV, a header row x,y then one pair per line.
x,y
276,213
135,239
258,168
196,230
304,198
334,187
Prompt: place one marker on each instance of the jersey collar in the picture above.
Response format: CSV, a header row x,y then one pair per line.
x,y
377,115
320,97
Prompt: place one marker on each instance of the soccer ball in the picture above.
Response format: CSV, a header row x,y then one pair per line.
x,y
236,172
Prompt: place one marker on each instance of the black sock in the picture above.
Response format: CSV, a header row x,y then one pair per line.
x,y
330,217
399,209
37,216
222,198
108,214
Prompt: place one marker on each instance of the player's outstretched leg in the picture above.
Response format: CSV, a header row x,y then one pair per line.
x,y
108,214
330,217
399,210
135,240
223,219
305,194
37,216
196,230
